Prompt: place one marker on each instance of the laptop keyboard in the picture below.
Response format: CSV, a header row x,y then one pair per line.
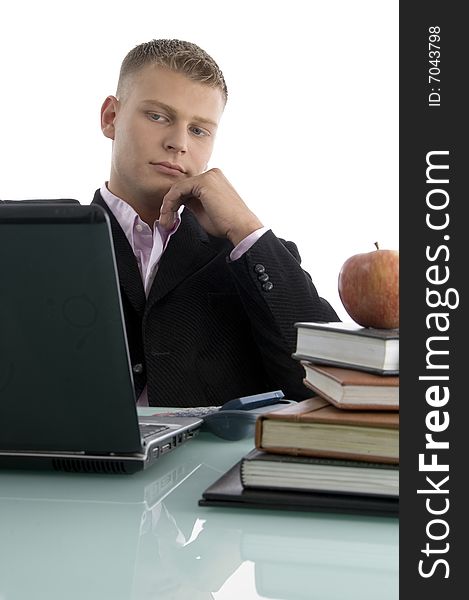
x,y
149,430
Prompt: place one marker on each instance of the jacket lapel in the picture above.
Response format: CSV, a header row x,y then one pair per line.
x,y
188,250
129,274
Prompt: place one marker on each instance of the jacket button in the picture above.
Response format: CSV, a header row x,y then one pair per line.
x,y
138,368
259,269
267,286
263,278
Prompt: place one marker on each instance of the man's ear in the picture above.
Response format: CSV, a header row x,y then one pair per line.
x,y
108,116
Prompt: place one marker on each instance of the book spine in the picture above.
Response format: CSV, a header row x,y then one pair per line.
x,y
258,432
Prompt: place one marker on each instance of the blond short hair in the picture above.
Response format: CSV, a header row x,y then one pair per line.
x,y
178,56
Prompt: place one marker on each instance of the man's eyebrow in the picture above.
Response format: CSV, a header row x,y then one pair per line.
x,y
173,111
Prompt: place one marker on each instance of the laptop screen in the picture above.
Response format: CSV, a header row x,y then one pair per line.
x,y
65,375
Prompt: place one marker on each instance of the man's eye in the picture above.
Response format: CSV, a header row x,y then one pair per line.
x,y
198,131
156,117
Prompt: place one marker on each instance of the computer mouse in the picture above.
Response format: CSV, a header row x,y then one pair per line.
x,y
236,419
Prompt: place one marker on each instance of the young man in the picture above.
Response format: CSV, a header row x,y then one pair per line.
x,y
210,295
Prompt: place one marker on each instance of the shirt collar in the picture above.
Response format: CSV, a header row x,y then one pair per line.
x,y
127,216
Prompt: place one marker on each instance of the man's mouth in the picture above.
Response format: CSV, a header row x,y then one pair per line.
x,y
169,168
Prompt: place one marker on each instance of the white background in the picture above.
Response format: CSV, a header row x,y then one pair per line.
x,y
310,132
309,137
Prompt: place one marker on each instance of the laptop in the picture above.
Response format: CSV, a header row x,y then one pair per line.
x,y
67,399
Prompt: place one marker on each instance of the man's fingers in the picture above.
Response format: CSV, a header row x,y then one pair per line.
x,y
180,193
169,207
167,219
172,200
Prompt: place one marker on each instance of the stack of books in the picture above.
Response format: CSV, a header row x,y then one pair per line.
x,y
353,367
338,450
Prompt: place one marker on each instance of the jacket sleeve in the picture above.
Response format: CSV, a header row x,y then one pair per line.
x,y
276,293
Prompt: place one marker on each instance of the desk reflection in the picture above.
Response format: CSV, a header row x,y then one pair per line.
x,y
143,537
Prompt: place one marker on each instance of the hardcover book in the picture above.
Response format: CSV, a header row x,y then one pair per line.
x,y
278,471
352,388
314,427
349,345
228,491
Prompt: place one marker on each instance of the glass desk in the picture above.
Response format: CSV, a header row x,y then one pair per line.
x,y
143,536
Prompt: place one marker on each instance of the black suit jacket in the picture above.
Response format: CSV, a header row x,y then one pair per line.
x,y
213,329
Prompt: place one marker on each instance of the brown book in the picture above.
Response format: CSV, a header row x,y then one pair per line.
x,y
352,389
314,427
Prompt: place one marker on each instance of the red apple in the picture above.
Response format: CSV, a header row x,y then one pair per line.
x,y
369,288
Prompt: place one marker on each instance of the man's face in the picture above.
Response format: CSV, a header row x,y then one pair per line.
x,y
162,117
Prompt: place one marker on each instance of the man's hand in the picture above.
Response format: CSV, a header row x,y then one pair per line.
x,y
215,203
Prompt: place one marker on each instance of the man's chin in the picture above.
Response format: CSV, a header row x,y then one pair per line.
x,y
153,194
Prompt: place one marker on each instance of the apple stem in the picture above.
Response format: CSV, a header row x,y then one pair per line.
x,y
376,244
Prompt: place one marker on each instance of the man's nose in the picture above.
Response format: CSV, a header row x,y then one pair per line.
x,y
176,139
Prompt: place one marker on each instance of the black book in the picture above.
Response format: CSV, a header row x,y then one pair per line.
x,y
228,491
309,473
349,345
